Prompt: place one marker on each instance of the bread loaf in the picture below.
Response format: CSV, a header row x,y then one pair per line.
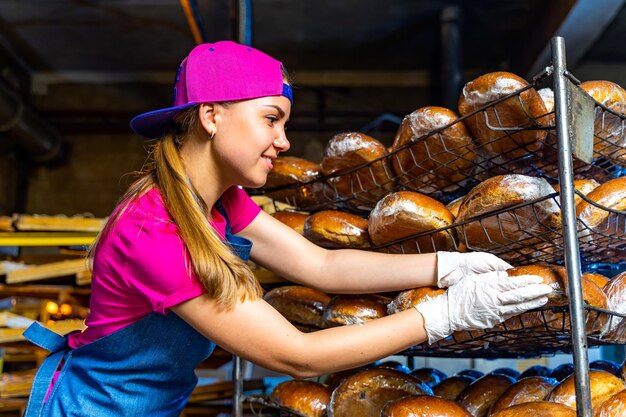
x,y
489,127
585,186
609,130
347,309
391,364
472,373
562,371
537,409
289,170
453,206
603,385
615,291
336,229
292,219
482,393
535,370
423,406
439,162
606,365
513,373
533,388
429,376
525,226
611,194
406,213
300,305
623,370
598,279
451,387
411,298
361,187
614,406
306,397
365,393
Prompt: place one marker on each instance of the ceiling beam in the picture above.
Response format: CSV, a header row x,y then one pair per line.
x,y
582,26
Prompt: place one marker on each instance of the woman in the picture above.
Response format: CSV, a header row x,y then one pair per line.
x,y
166,287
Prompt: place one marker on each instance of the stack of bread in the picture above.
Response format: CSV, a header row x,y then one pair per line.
x,y
379,391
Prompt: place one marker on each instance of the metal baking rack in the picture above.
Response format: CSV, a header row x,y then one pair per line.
x,y
562,329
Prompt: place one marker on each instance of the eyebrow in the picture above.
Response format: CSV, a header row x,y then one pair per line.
x,y
281,112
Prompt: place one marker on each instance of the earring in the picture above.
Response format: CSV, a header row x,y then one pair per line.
x,y
211,135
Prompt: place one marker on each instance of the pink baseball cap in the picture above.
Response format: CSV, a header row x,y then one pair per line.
x,y
215,72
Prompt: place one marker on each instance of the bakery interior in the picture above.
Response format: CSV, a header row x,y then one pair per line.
x,y
74,72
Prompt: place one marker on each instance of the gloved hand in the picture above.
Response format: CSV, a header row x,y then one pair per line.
x,y
481,301
453,266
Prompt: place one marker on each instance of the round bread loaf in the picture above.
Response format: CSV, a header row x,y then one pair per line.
x,y
453,206
411,298
365,393
585,186
451,387
611,194
290,170
522,110
482,393
535,370
606,365
333,380
615,291
407,213
362,187
473,373
533,388
423,406
429,376
513,373
347,309
299,305
439,162
391,364
614,406
292,219
562,371
336,229
603,385
609,134
306,397
512,227
598,279
537,409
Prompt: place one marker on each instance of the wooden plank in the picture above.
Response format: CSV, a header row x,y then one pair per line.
x,y
6,224
46,238
83,277
46,271
29,222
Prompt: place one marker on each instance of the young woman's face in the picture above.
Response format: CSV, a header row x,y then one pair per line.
x,y
249,136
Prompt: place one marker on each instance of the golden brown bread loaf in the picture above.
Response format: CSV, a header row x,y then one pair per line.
x,y
482,393
522,110
585,186
411,298
451,387
537,409
598,279
306,397
438,162
336,229
355,309
609,134
603,385
533,388
556,277
453,206
614,406
365,393
429,376
406,213
615,291
423,406
292,219
300,305
361,187
611,194
292,170
512,226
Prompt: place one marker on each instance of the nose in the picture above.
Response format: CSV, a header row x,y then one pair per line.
x,y
281,143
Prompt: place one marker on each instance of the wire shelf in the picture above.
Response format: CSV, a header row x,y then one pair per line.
x,y
435,165
543,331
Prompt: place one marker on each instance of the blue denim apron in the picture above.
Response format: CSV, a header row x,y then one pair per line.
x,y
144,369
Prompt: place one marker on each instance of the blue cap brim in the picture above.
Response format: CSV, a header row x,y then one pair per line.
x,y
154,124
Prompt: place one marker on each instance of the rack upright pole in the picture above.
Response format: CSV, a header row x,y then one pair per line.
x,y
564,129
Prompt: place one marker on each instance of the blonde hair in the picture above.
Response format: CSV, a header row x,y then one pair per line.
x,y
225,276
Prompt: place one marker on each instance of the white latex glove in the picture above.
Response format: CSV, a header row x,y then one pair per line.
x,y
453,266
480,302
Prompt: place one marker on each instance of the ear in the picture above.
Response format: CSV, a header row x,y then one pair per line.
x,y
206,116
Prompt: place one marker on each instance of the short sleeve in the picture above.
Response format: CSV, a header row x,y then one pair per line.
x,y
157,264
241,209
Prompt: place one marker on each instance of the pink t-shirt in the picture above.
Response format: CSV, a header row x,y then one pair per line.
x,y
142,265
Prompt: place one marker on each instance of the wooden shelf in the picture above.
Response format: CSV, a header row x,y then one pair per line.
x,y
46,238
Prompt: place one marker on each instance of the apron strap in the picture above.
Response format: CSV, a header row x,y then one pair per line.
x,y
55,343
